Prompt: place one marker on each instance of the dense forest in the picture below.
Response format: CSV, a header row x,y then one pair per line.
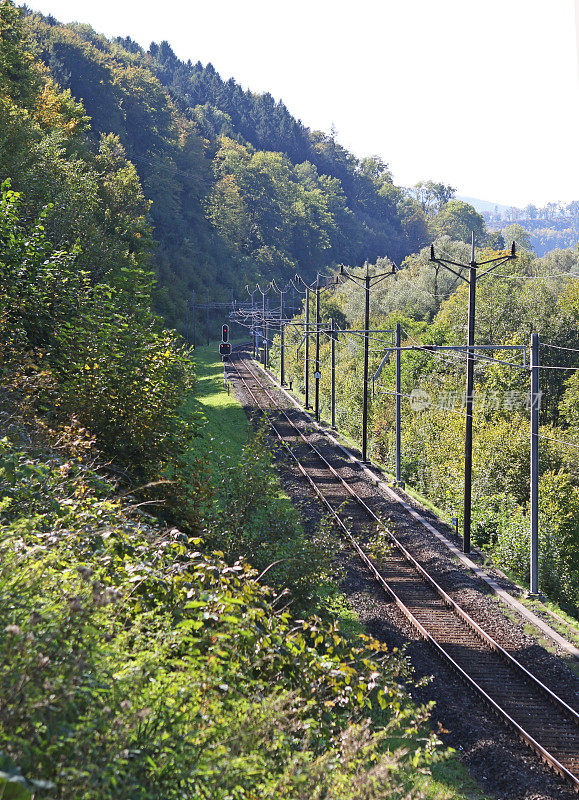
x,y
239,189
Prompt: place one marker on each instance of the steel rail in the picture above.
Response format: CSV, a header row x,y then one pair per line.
x,y
447,600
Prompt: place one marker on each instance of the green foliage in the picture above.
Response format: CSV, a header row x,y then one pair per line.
x,y
112,365
43,149
134,664
252,520
558,540
516,233
458,220
569,407
239,188
39,286
76,330
432,196
510,306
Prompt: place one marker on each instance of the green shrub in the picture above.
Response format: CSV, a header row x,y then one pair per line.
x,y
106,359
133,664
250,519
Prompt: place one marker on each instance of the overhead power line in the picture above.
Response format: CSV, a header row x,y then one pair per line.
x,y
546,366
536,277
559,347
559,441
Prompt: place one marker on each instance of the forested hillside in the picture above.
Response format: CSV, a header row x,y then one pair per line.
x,y
554,226
240,190
136,660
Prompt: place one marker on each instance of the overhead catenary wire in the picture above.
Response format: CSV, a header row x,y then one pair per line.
x,y
536,277
559,347
476,357
559,441
546,366
431,407
449,358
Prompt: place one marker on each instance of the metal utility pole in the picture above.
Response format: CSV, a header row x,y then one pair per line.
x,y
193,309
469,401
282,339
264,321
366,360
207,316
368,282
471,280
281,293
534,556
307,349
297,280
318,287
398,403
253,334
264,340
333,359
187,323
253,326
266,351
317,375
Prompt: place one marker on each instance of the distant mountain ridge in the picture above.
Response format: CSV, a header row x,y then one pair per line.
x,y
482,206
553,227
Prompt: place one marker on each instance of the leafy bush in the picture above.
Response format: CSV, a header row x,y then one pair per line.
x,y
250,519
136,665
111,363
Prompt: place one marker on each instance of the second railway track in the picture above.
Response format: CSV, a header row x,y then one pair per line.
x,y
539,717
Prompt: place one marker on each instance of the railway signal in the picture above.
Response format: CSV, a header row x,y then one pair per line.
x,y
224,345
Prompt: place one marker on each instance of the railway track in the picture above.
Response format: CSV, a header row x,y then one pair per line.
x,y
547,724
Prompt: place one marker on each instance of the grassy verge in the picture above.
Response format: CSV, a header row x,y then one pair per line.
x,y
225,435
571,624
225,428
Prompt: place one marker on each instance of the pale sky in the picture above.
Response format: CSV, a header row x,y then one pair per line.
x,y
481,95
